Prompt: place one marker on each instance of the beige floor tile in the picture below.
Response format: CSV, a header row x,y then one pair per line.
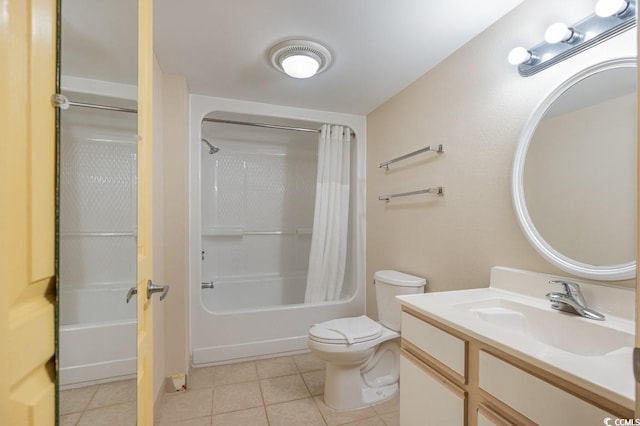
x,y
200,378
119,414
372,421
114,393
190,404
389,406
235,373
69,419
200,421
252,417
308,362
276,367
341,417
314,381
391,419
295,413
285,388
237,396
76,400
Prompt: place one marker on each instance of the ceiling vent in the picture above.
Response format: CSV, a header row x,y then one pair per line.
x,y
300,58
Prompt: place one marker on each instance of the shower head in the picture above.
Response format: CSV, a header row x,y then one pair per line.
x,y
212,149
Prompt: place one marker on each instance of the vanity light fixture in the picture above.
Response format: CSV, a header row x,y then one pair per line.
x,y
562,41
606,8
300,58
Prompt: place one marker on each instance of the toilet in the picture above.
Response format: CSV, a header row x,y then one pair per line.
x,y
362,355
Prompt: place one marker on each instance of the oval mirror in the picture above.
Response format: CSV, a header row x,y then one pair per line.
x,y
574,174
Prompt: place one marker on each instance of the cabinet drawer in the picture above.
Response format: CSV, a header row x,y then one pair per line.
x,y
534,398
445,348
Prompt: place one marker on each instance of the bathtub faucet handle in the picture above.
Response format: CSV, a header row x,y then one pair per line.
x,y
132,291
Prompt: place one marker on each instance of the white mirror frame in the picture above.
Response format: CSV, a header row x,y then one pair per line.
x,y
617,272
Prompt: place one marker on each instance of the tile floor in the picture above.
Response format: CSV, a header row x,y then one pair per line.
x,y
272,392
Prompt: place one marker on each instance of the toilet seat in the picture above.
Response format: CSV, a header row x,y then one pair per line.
x,y
346,331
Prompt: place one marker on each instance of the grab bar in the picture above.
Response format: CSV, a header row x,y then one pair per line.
x,y
270,232
239,232
437,148
97,234
438,190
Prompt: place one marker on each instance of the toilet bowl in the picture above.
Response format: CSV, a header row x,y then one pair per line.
x,y
363,355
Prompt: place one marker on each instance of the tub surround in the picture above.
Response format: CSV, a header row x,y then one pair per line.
x,y
219,337
578,357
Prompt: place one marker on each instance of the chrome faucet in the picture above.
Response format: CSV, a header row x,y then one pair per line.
x,y
572,301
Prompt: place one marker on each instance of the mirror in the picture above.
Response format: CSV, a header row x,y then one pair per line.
x,y
574,176
97,205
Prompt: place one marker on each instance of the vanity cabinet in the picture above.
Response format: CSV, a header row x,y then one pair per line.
x,y
448,377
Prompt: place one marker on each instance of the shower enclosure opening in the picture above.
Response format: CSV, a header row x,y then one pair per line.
x,y
97,240
258,191
252,222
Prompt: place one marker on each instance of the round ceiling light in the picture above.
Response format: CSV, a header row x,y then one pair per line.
x,y
300,58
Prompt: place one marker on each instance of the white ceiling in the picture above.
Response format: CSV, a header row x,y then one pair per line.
x,y
221,46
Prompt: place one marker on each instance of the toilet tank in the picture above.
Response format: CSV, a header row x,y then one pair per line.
x,y
388,285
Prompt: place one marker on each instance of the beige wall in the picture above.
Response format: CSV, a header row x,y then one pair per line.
x,y
175,230
476,104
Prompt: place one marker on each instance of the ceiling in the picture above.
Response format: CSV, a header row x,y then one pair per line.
x,y
221,46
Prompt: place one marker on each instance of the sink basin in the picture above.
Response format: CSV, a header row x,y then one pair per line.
x,y
562,331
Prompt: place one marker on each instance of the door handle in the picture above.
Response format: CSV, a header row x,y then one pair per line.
x,y
132,292
152,288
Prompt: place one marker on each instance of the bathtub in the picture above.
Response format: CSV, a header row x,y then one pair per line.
x,y
97,337
244,293
258,189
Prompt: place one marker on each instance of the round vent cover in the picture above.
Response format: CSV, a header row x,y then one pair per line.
x,y
300,58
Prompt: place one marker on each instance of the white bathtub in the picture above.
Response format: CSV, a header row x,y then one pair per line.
x,y
250,318
254,292
92,348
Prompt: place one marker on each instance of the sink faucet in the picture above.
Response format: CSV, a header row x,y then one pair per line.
x,y
572,301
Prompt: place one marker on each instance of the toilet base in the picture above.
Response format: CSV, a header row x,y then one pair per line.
x,y
373,396
344,389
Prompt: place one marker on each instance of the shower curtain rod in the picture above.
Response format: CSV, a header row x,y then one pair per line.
x,y
213,120
268,126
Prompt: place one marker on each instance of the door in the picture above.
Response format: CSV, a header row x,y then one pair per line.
x,y
27,215
145,214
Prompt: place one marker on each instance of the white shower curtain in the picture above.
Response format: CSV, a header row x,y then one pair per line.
x,y
328,255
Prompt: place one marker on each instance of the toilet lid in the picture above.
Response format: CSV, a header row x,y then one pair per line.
x,y
346,330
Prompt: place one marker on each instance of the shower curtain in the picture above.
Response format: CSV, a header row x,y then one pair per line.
x,y
328,255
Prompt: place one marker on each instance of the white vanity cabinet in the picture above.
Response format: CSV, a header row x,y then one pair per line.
x,y
448,377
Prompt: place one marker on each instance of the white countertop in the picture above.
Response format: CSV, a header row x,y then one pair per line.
x,y
608,373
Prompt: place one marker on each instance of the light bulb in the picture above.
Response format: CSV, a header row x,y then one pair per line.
x,y
606,8
558,32
519,55
300,66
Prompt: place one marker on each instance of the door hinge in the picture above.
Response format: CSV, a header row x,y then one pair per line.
x,y
58,100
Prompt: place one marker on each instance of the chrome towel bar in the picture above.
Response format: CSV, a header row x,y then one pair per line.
x,y
436,148
438,191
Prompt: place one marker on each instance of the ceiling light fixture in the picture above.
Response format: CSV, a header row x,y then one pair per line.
x,y
562,41
300,58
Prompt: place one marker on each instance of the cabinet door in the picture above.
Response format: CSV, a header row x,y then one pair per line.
x,y
427,398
